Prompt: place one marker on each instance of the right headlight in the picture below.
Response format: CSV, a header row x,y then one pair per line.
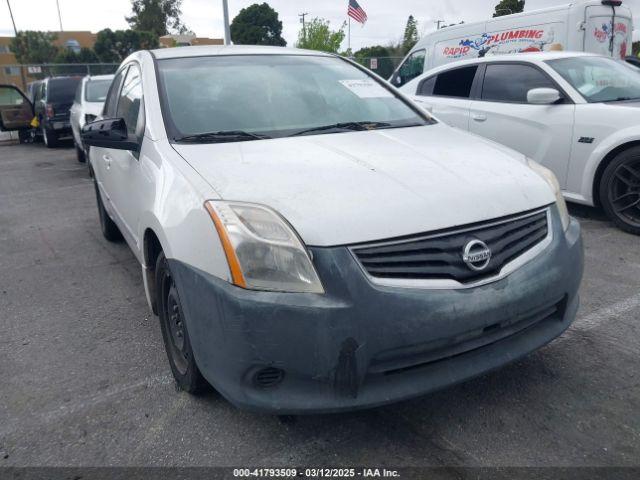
x,y
263,251
555,186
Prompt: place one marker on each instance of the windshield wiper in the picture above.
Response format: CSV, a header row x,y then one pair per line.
x,y
625,99
355,126
222,136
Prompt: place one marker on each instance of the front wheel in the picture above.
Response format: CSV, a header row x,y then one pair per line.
x,y
80,155
174,331
620,190
50,138
110,230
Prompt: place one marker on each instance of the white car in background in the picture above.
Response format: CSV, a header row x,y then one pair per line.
x,y
577,114
87,105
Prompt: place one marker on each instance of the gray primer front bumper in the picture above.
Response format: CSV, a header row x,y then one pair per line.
x,y
362,345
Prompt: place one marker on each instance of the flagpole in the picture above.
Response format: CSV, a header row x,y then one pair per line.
x,y
349,37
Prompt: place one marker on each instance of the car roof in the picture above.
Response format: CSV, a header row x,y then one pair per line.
x,y
214,50
99,77
514,57
63,79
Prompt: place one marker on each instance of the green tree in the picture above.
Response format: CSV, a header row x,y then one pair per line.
x,y
319,36
158,16
34,47
114,46
257,24
507,7
85,55
635,49
410,34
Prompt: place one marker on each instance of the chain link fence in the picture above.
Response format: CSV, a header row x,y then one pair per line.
x,y
22,75
383,66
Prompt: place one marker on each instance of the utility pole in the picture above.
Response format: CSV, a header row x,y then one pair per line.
x,y
15,31
304,29
438,23
59,16
227,29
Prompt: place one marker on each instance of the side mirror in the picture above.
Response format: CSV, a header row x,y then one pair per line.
x,y
543,96
109,133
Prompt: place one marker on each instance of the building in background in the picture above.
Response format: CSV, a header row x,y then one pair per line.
x,y
10,72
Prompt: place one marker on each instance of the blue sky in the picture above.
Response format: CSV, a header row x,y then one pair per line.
x,y
204,17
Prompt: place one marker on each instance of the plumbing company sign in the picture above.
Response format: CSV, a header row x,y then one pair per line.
x,y
509,41
605,33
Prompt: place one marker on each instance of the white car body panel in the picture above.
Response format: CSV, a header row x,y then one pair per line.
x,y
548,134
406,172
418,179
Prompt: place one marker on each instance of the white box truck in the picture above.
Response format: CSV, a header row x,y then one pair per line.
x,y
597,26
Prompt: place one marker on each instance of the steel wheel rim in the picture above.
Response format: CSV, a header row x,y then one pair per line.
x,y
624,192
174,323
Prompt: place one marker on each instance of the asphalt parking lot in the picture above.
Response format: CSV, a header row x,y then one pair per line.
x,y
85,380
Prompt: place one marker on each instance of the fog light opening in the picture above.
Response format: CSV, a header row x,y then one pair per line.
x,y
268,377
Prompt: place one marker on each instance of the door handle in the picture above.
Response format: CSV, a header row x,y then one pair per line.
x,y
107,159
479,117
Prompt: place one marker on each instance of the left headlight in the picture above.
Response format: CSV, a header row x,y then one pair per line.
x,y
555,186
263,251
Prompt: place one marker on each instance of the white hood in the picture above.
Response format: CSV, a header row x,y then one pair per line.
x,y
346,188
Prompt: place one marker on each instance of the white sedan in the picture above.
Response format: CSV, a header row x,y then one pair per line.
x,y
314,242
87,105
575,113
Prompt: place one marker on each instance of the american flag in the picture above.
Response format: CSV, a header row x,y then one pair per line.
x,y
356,12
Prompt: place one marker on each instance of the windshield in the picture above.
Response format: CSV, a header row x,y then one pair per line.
x,y
599,79
63,89
96,90
267,96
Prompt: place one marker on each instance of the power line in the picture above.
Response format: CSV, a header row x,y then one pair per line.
x,y
15,30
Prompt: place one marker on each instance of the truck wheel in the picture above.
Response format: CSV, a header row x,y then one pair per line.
x,y
24,136
620,190
50,138
110,230
174,331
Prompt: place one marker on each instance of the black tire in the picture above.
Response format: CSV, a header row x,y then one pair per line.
x,y
174,332
79,153
24,136
110,230
620,190
50,138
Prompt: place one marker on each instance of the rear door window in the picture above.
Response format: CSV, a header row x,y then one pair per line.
x,y
130,101
426,87
455,83
111,102
511,83
63,90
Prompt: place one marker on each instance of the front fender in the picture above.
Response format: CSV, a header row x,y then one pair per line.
x,y
618,139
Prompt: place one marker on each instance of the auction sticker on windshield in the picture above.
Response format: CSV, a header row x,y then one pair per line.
x,y
366,88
